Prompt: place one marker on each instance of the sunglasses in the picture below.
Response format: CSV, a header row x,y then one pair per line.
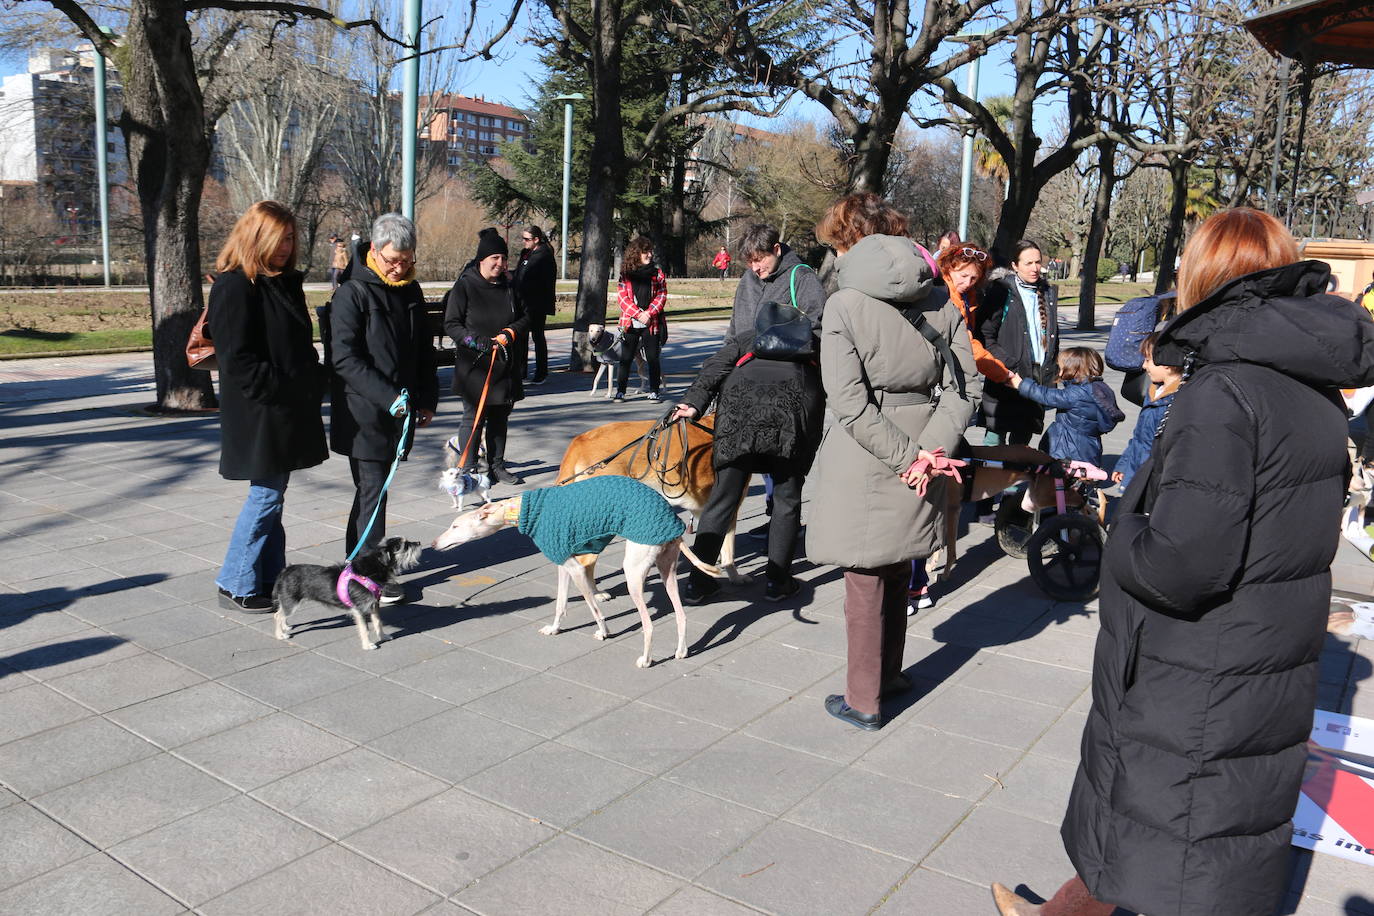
x,y
973,254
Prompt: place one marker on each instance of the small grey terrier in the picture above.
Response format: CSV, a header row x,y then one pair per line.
x,y
357,593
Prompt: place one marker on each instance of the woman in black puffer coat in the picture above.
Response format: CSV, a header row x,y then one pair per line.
x,y
1215,592
769,412
271,384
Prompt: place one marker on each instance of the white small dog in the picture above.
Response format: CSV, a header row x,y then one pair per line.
x,y
458,484
572,524
608,357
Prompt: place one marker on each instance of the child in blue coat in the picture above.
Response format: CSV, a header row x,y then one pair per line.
x,y
1087,407
1164,381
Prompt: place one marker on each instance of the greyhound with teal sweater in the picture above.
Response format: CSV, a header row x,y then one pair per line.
x,y
573,524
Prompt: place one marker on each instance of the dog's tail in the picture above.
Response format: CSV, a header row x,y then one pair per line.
x,y
713,571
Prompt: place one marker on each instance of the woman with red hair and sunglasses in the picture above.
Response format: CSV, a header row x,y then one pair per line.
x,y
963,268
1216,586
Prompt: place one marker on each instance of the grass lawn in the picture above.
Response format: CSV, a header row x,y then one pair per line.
x,y
87,319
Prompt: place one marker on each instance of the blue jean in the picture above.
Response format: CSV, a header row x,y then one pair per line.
x,y
257,548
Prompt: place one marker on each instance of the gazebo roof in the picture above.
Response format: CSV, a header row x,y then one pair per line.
x,y
1319,31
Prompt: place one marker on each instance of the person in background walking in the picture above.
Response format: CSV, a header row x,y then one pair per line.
x,y
338,261
1216,587
535,278
642,294
769,411
271,385
380,346
1019,324
483,316
721,262
881,376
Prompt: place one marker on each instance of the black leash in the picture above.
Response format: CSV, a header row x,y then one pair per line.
x,y
656,457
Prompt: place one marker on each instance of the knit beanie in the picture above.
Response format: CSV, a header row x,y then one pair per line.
x,y
489,242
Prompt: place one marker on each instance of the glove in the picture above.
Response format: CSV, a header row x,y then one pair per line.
x,y
480,344
400,406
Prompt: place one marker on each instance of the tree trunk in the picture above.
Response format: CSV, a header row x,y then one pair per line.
x,y
1097,232
1173,232
872,149
169,153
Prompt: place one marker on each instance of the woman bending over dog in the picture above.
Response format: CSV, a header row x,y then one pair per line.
x,y
271,385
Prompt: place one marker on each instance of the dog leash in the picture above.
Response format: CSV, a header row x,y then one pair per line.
x,y
399,407
477,417
635,443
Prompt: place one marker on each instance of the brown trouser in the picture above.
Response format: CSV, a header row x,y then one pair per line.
x,y
875,626
1073,899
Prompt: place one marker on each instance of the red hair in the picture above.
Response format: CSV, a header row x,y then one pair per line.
x,y
957,256
1228,245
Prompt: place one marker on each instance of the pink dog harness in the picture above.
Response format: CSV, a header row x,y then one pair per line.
x,y
346,576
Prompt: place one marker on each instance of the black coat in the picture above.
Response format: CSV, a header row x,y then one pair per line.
x,y
766,407
380,344
535,280
1215,591
1003,329
271,380
476,311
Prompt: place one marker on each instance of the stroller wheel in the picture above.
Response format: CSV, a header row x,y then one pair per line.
x,y
1013,524
1065,557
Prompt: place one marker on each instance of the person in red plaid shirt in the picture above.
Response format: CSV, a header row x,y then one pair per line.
x,y
642,295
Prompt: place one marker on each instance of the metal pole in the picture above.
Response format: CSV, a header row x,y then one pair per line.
x,y
966,177
101,163
410,105
1279,124
567,183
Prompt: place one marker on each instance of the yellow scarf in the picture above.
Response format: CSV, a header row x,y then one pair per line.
x,y
376,268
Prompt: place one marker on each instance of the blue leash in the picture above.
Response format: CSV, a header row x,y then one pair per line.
x,y
399,406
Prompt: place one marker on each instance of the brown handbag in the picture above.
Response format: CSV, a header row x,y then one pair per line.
x,y
200,348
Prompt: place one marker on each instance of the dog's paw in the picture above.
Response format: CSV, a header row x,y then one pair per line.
x,y
549,630
284,634
680,653
603,596
643,661
369,646
600,634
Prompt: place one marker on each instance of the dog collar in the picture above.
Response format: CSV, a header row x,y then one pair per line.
x,y
347,575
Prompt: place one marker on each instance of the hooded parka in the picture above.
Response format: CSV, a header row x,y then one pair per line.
x,y
271,380
766,406
880,378
476,310
380,344
1214,601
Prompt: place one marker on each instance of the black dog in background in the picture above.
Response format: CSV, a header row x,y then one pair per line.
x,y
304,582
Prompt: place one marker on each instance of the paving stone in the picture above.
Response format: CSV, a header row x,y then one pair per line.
x,y
450,841
263,750
1069,650
63,755
884,814
1064,740
938,760
93,886
588,880
790,869
369,709
125,681
35,843
987,716
400,651
671,828
200,857
802,723
643,737
1016,677
349,792
925,891
772,663
290,681
332,880
752,772
554,783
34,708
111,607
996,845
545,704
43,627
169,627
611,667
693,901
124,802
455,744
193,712
1036,787
459,676
233,650
716,698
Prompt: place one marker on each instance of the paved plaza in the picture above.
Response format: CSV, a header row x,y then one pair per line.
x,y
161,755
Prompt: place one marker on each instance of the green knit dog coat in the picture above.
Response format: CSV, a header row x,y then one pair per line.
x,y
585,516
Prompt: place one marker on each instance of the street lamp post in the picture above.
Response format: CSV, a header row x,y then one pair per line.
x,y
102,159
567,101
966,173
410,114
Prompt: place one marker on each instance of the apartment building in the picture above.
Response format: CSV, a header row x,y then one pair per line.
x,y
471,128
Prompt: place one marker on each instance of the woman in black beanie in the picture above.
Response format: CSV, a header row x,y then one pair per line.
x,y
485,320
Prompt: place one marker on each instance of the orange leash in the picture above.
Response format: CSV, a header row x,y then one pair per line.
x,y
477,417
